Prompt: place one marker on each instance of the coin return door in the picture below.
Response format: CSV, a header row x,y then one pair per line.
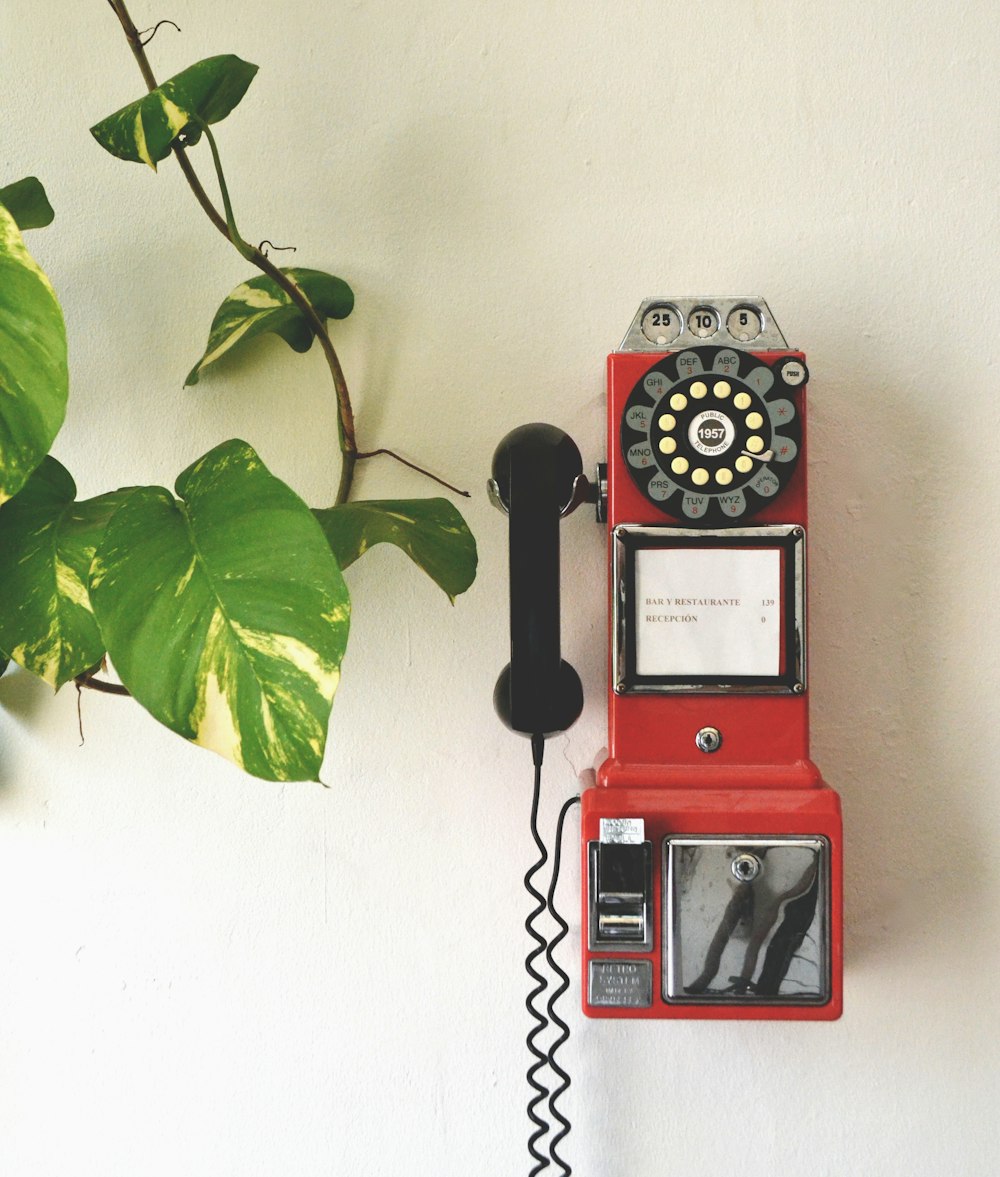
x,y
746,922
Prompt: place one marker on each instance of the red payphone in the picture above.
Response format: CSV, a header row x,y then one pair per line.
x,y
711,848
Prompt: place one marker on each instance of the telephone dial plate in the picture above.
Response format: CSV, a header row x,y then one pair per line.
x,y
711,434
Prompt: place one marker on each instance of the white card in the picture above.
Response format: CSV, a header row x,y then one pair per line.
x,y
708,612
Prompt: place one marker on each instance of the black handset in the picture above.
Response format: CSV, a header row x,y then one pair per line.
x,y
537,478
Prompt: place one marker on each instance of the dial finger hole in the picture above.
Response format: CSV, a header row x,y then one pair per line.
x,y
742,400
722,389
678,401
667,422
744,464
754,420
755,444
724,476
699,389
667,445
680,465
700,476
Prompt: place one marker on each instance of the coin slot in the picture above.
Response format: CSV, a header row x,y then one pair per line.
x,y
703,322
744,323
661,324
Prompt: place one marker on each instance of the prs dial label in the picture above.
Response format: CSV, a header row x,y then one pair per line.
x,y
703,613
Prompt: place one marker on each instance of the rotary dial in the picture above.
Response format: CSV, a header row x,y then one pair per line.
x,y
711,434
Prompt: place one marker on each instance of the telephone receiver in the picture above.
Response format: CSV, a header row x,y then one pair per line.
x,y
537,479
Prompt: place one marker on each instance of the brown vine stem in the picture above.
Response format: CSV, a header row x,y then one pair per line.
x,y
362,454
88,680
345,411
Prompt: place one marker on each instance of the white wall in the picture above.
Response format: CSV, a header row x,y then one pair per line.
x,y
204,974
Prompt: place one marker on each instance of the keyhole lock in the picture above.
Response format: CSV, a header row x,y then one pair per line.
x,y
709,739
745,867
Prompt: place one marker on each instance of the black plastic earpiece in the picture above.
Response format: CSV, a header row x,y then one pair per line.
x,y
537,472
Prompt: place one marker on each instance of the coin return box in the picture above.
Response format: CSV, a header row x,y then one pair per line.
x,y
746,921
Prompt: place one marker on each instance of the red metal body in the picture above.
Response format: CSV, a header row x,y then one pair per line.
x,y
759,782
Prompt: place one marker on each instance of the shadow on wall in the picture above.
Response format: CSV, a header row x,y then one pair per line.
x,y
880,669
23,696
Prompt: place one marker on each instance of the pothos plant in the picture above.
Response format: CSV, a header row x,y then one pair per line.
x,y
222,605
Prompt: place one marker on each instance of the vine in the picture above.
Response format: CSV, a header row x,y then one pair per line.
x,y
223,609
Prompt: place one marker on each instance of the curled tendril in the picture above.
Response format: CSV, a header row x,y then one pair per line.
x,y
148,34
276,248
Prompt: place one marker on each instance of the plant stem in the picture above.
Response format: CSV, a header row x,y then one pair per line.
x,y
234,233
226,225
361,455
345,411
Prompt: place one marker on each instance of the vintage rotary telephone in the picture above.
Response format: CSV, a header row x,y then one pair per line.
x,y
711,846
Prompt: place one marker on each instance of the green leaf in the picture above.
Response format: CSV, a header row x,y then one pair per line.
x,y
4,663
261,305
225,613
47,542
27,203
145,130
34,380
430,531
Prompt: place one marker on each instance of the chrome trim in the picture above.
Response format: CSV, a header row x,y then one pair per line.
x,y
493,494
582,492
796,655
769,339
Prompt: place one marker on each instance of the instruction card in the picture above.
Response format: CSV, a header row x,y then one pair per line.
x,y
708,613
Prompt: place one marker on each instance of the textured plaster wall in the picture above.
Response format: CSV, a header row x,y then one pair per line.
x,y
207,975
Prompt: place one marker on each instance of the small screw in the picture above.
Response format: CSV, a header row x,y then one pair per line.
x,y
798,687
798,532
745,867
709,739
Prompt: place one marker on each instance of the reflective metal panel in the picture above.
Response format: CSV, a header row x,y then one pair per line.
x,y
746,920
668,322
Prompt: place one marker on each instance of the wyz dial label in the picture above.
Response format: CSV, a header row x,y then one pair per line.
x,y
710,434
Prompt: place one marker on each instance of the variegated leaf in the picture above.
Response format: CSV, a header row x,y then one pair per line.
x,y
430,531
47,542
144,131
27,203
261,305
225,613
34,380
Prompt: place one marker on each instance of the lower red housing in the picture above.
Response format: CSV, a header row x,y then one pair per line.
x,y
747,807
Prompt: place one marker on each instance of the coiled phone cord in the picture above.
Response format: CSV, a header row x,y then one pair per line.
x,y
554,1018
542,1126
543,1021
